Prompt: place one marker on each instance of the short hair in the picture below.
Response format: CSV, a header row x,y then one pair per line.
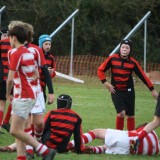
x,y
30,31
29,28
19,32
15,23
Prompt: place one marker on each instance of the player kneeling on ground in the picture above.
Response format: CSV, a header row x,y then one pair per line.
x,y
60,124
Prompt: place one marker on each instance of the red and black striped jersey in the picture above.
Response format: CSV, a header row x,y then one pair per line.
x,y
121,72
59,126
4,47
50,62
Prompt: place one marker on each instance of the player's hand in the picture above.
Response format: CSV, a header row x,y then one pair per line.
x,y
50,98
110,87
154,94
51,70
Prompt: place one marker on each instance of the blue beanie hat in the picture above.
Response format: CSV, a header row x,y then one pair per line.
x,y
43,38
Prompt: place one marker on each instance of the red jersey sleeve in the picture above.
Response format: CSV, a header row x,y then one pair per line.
x,y
102,69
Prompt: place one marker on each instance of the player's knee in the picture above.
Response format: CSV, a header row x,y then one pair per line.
x,y
39,125
122,114
13,132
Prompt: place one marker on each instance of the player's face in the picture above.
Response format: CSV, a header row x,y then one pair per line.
x,y
124,50
4,36
46,46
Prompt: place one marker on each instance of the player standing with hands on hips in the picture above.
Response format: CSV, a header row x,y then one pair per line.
x,y
122,66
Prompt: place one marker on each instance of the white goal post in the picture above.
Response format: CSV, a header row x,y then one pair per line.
x,y
69,77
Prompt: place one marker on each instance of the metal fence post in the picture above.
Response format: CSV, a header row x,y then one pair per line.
x,y
72,45
1,11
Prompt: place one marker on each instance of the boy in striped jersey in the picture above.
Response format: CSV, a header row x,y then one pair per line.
x,y
120,142
23,74
45,44
122,66
37,111
60,124
44,72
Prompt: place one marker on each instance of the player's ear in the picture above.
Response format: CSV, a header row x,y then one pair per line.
x,y
14,38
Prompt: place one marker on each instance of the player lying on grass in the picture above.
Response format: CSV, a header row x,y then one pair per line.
x,y
119,142
116,142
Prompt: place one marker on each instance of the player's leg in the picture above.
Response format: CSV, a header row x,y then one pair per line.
x,y
29,131
2,106
9,148
21,110
2,101
94,149
130,110
17,130
88,137
7,117
98,134
38,116
119,104
38,121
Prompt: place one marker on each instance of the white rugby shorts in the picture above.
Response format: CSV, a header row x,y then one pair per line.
x,y
39,107
22,107
117,142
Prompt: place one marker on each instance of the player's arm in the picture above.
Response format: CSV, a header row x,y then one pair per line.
x,y
48,79
47,128
141,74
101,74
52,67
9,83
78,137
49,84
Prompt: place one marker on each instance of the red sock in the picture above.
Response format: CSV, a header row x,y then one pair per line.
x,y
1,117
8,115
38,133
98,149
88,137
142,135
42,149
30,151
28,131
119,123
131,123
21,158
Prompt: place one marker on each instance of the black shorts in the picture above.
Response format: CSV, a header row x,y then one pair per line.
x,y
157,110
3,90
124,101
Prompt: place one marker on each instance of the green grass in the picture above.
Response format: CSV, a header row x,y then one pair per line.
x,y
93,103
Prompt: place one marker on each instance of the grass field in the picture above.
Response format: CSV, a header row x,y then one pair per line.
x,y
94,105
